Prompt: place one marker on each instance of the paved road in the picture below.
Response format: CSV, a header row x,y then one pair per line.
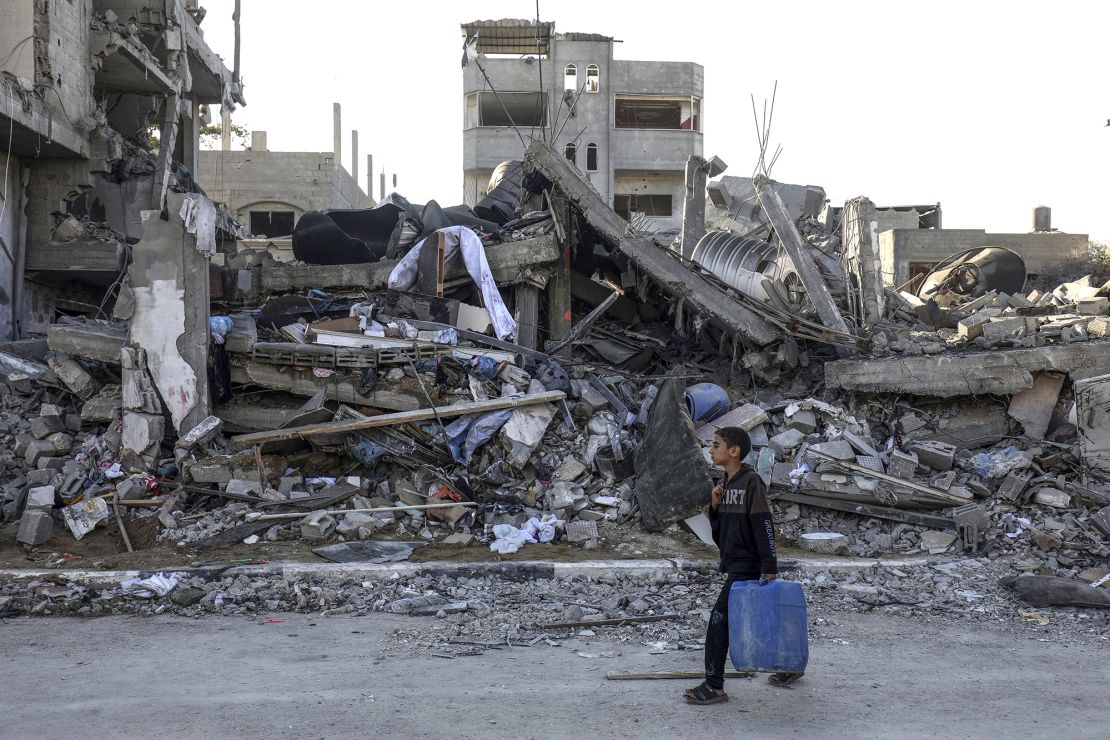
x,y
870,676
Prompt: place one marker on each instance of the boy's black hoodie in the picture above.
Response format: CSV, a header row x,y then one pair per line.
x,y
742,527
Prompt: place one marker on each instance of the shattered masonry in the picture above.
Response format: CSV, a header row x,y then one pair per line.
x,y
534,374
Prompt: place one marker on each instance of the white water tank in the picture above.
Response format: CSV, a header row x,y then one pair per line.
x,y
1042,218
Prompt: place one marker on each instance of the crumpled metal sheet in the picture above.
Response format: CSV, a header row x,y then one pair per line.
x,y
672,478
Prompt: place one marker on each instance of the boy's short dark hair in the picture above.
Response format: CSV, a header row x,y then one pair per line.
x,y
736,437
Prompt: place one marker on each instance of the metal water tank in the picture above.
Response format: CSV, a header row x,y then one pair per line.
x,y
1042,218
741,261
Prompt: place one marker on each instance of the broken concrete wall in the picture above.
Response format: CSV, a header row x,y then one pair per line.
x,y
167,311
1092,407
16,26
860,240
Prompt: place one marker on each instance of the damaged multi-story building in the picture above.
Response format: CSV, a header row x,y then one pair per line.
x,y
102,102
628,126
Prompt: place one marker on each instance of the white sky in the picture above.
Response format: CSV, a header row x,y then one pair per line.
x,y
990,108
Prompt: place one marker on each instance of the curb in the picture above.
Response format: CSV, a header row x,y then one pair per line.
x,y
512,570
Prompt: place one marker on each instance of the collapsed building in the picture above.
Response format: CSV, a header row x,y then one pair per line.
x,y
537,368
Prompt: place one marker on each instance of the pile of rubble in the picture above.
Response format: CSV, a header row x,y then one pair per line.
x,y
393,387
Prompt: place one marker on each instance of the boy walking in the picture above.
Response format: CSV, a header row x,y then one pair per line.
x,y
745,535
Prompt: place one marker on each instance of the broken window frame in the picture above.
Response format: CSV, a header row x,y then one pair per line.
x,y
647,204
591,157
570,151
484,105
570,78
268,215
593,78
687,117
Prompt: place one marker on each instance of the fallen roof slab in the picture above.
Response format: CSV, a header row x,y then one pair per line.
x,y
948,375
672,276
509,262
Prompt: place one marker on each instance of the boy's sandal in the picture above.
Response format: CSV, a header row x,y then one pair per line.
x,y
784,678
702,694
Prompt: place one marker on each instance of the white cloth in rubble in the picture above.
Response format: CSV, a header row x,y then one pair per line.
x,y
199,216
461,238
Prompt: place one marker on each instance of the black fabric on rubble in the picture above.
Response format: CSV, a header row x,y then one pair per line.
x,y
219,374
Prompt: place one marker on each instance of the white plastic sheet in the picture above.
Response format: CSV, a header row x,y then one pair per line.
x,y
460,238
158,584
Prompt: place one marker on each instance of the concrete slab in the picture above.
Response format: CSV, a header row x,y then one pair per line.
x,y
1033,407
1000,372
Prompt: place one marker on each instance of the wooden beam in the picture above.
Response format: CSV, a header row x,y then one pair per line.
x,y
659,264
800,255
527,315
403,417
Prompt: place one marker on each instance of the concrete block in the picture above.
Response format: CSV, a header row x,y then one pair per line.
x,y
37,449
131,488
902,464
972,326
35,527
202,433
290,483
40,497
75,377
785,442
104,406
318,525
1053,497
1092,306
804,420
935,542
62,441
43,426
142,433
243,487
1001,330
825,543
581,531
570,470
1013,485
746,416
1034,407
50,462
937,455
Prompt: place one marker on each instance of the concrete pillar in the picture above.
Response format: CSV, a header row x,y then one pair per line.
x,y
167,313
693,205
860,254
258,141
355,202
527,315
337,137
370,179
381,193
225,128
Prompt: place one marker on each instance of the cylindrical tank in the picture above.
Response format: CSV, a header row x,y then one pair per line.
x,y
740,261
1042,218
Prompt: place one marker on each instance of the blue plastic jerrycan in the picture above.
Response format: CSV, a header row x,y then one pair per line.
x,y
767,626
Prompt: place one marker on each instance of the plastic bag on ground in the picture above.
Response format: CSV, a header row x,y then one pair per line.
x,y
158,584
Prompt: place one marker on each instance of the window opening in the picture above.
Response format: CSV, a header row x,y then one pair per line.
x,y
591,158
593,79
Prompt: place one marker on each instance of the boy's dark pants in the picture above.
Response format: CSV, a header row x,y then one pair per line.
x,y
716,638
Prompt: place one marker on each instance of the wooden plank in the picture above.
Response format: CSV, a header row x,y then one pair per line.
x,y
623,676
659,264
800,255
404,417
